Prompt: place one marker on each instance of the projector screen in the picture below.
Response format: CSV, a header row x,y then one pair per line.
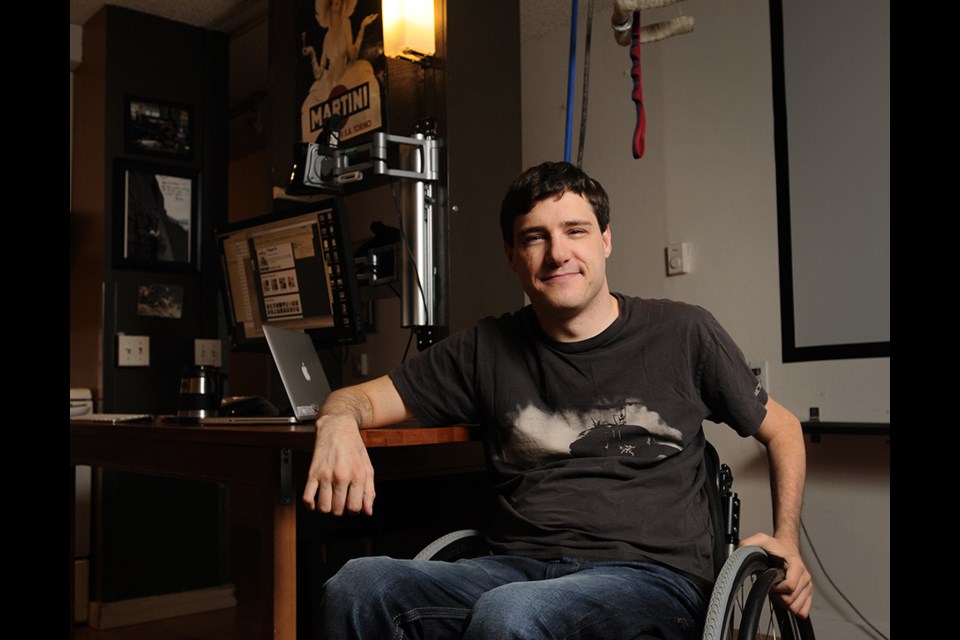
x,y
831,84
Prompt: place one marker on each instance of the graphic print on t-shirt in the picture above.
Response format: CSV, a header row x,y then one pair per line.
x,y
626,428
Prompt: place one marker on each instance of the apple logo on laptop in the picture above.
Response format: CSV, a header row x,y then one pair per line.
x,y
306,372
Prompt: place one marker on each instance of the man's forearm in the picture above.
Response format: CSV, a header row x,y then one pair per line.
x,y
374,403
340,477
782,435
349,401
787,478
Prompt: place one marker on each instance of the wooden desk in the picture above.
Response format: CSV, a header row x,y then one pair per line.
x,y
261,460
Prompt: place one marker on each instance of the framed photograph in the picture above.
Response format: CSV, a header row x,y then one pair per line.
x,y
158,128
160,300
156,217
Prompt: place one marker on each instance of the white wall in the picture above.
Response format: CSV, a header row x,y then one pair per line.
x,y
708,178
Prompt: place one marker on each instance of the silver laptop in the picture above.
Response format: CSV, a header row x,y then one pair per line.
x,y
302,374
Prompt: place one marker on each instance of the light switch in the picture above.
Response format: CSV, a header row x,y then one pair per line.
x,y
133,351
207,352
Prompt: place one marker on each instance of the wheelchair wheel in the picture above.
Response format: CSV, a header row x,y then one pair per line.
x,y
464,543
740,607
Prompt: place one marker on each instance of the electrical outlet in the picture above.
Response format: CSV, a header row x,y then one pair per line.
x,y
207,352
133,351
759,368
361,366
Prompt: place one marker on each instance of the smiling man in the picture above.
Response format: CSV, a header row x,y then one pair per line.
x,y
559,250
592,405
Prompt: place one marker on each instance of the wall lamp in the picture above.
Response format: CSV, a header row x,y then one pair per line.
x,y
408,30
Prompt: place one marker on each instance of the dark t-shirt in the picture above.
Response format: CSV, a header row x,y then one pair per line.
x,y
596,446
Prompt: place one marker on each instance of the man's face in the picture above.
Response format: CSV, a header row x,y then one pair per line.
x,y
560,255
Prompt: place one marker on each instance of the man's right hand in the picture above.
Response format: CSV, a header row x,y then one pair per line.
x,y
340,478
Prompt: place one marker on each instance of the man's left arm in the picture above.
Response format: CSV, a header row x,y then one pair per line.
x,y
782,435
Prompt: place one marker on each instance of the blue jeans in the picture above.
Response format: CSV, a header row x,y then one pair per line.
x,y
502,597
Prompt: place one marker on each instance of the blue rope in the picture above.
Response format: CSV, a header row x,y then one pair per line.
x,y
570,82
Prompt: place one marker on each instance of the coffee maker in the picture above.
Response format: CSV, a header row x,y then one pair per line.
x,y
201,391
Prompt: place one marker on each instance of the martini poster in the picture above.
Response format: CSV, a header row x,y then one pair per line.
x,y
341,66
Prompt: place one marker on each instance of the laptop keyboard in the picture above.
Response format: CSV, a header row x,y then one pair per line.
x,y
112,418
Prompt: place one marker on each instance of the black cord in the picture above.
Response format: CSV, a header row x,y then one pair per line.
x,y
586,86
407,348
836,588
343,357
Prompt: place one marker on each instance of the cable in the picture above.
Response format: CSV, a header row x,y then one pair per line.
x,y
836,588
570,81
407,348
343,358
586,85
823,569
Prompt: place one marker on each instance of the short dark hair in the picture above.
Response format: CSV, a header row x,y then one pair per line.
x,y
546,180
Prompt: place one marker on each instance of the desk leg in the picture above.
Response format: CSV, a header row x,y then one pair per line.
x,y
284,550
278,549
284,572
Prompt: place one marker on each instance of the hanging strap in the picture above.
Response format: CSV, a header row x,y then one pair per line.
x,y
568,138
641,128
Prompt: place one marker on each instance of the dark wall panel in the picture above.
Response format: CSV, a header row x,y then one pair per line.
x,y
151,535
154,58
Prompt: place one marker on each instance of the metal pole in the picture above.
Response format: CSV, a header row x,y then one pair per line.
x,y
416,202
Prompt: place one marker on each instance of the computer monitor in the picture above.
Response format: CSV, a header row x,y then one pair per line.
x,y
293,269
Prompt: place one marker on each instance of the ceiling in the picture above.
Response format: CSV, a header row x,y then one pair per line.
x,y
537,16
245,21
216,15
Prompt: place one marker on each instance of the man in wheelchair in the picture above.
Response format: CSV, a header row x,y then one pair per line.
x,y
591,404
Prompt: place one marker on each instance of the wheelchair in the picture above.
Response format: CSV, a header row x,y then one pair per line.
x,y
740,606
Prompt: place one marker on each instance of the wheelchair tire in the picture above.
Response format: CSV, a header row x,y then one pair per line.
x,y
463,543
740,606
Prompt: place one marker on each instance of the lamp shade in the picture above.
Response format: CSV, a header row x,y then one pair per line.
x,y
408,28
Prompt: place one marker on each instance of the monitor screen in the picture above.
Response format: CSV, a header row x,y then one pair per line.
x,y
293,269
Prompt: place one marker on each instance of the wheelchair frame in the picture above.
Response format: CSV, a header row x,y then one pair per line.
x,y
740,605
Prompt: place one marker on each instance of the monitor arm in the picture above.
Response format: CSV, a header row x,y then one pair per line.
x,y
325,167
